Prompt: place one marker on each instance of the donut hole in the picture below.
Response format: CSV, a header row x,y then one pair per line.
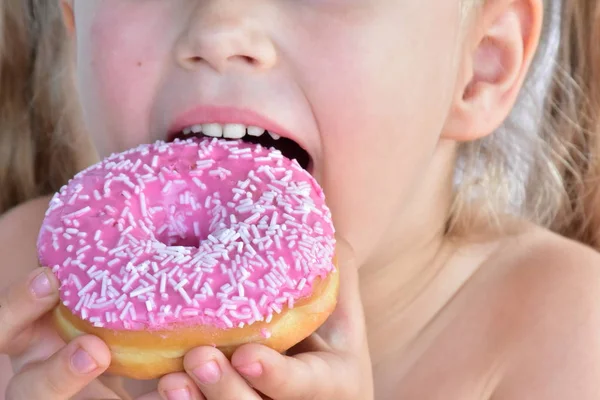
x,y
179,241
178,231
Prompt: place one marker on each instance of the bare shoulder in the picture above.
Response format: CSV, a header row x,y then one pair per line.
x,y
19,230
552,288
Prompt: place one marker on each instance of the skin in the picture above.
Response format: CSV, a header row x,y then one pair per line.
x,y
400,85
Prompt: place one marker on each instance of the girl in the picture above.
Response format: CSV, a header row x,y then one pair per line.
x,y
389,99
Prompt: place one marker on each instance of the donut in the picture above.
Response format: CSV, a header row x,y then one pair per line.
x,y
170,246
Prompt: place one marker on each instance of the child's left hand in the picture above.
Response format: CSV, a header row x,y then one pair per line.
x,y
333,363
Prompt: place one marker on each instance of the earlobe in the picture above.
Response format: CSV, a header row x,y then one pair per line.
x,y
68,15
494,71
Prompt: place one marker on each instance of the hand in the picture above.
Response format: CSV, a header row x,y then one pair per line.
x,y
47,368
333,363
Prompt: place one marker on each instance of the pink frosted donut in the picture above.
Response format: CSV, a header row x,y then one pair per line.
x,y
166,247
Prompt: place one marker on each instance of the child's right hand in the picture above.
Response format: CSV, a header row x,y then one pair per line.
x,y
45,367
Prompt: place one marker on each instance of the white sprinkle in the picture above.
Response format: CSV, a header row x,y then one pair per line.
x,y
255,311
208,289
227,321
263,301
203,164
125,311
163,282
275,307
79,303
126,231
185,296
141,290
75,281
197,282
79,213
301,284
131,281
189,312
178,310
90,271
84,249
102,305
132,313
181,284
118,249
167,187
149,305
113,262
86,288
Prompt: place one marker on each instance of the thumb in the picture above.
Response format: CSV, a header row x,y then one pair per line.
x,y
345,329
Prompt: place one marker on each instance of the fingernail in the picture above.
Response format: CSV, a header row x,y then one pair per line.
x,y
209,373
40,286
82,362
179,394
253,370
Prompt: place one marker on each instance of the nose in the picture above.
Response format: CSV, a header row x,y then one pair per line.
x,y
222,34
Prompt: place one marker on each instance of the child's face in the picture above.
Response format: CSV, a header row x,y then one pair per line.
x,y
364,85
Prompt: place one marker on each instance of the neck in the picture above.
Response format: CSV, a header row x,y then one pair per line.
x,y
401,288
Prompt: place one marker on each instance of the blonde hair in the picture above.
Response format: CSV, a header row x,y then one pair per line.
x,y
574,114
39,150
559,187
532,166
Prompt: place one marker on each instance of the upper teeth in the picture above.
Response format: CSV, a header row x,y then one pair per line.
x,y
229,131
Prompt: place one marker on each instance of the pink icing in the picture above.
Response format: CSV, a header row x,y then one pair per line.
x,y
202,231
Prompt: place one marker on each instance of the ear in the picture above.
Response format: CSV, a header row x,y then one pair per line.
x,y
68,15
505,36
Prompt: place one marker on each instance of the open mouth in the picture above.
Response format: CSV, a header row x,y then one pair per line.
x,y
251,134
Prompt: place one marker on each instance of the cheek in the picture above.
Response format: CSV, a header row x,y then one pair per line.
x,y
381,102
117,74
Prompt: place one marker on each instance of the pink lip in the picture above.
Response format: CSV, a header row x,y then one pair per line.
x,y
227,115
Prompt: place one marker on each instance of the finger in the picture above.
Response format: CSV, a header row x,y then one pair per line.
x,y
151,396
215,376
308,376
178,386
34,344
345,329
64,374
24,302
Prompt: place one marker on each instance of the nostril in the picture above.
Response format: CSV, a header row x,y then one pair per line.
x,y
242,59
194,60
249,60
